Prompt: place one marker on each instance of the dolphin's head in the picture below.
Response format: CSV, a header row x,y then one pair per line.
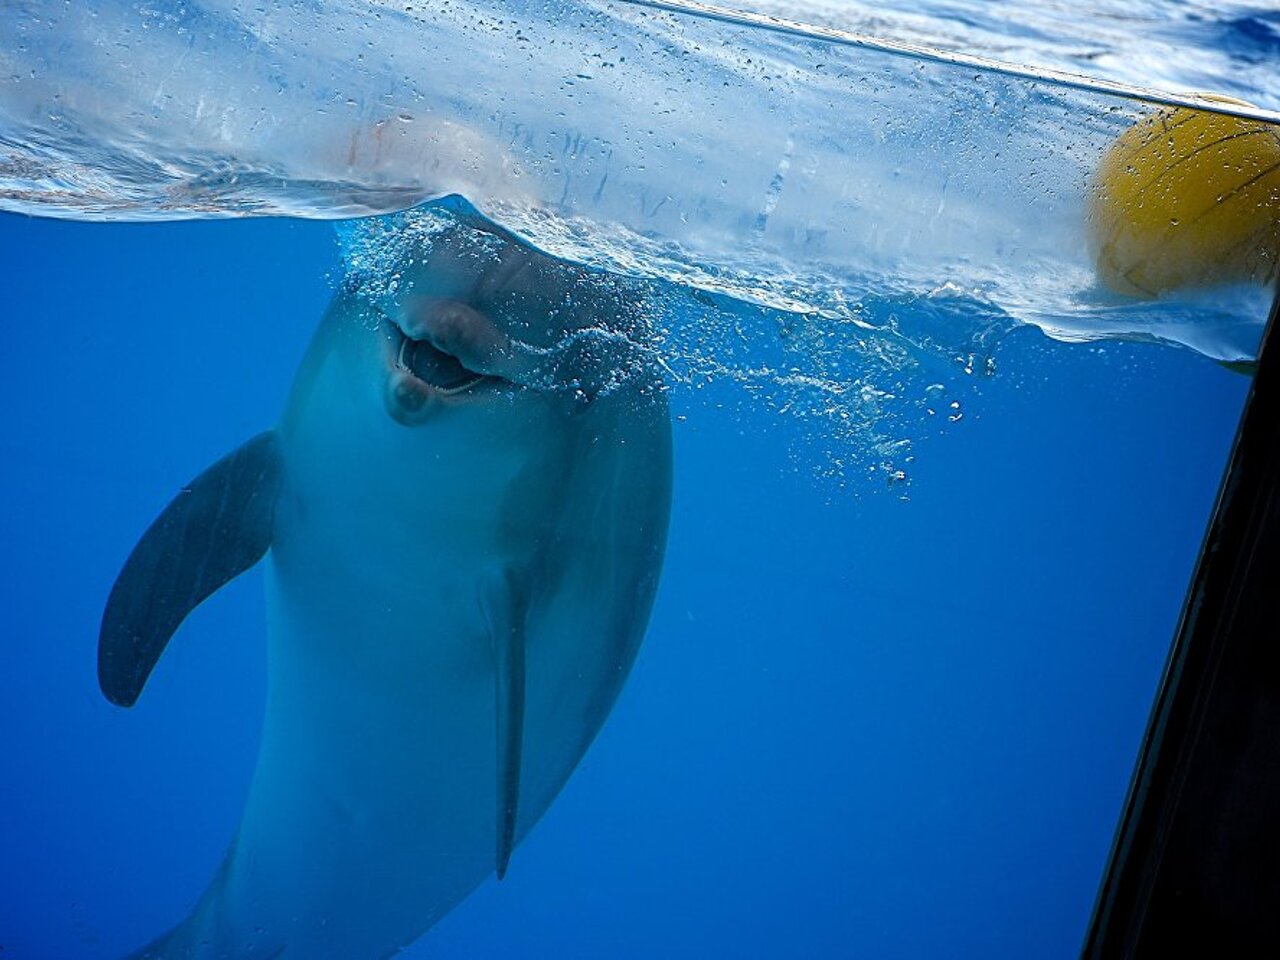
x,y
473,315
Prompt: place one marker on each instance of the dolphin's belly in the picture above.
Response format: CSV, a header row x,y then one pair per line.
x,y
371,812
374,804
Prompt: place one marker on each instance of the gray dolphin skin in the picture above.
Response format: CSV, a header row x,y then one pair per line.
x,y
463,512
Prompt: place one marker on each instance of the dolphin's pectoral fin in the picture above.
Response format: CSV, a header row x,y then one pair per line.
x,y
505,612
217,527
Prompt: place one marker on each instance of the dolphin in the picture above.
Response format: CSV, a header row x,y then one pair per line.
x,y
463,511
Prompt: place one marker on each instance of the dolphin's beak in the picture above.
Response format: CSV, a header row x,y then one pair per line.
x,y
421,375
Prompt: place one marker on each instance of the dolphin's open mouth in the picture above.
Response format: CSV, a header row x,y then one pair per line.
x,y
434,367
421,375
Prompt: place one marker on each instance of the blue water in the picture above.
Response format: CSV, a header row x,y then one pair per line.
x,y
892,690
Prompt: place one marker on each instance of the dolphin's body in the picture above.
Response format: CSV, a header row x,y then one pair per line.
x,y
460,572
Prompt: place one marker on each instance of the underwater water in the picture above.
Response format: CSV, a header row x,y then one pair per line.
x,y
936,500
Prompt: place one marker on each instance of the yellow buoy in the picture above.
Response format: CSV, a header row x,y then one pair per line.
x,y
1186,198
